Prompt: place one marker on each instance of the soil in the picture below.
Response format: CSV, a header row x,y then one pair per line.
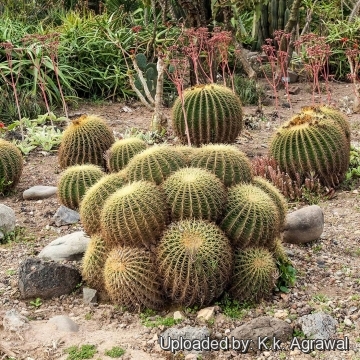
x,y
328,277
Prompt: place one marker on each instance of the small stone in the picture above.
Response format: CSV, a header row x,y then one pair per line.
x,y
227,331
318,325
348,322
39,192
7,220
64,323
178,315
89,295
206,313
191,357
266,354
281,314
294,90
65,216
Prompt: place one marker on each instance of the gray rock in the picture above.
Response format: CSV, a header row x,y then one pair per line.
x,y
89,295
13,321
64,323
45,280
186,333
293,77
70,247
66,216
261,327
7,220
304,225
39,192
318,325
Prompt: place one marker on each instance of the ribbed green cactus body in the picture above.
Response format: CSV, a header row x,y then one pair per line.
x,y
85,141
213,112
11,165
251,217
155,164
94,199
194,193
317,142
275,195
131,279
135,215
122,151
228,163
92,267
75,181
195,262
254,275
187,151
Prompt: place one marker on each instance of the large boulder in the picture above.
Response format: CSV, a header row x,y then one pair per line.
x,y
304,225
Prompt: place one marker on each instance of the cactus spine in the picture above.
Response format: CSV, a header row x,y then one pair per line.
x,y
213,112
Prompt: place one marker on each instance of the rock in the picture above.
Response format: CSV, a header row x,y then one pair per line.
x,y
261,327
13,321
64,323
45,280
293,77
294,90
7,220
348,322
39,192
66,216
318,325
178,315
191,357
70,247
281,314
89,295
206,313
186,333
304,225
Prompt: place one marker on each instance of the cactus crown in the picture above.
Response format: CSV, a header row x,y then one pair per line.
x,y
195,261
228,163
213,112
194,193
11,166
75,181
84,141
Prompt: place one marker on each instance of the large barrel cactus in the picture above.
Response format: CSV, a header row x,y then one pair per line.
x,y
195,261
11,165
194,193
131,279
134,216
228,163
315,141
85,141
213,114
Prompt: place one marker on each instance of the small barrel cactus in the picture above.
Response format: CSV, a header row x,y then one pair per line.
x,y
131,280
11,166
155,164
85,141
135,215
195,261
92,267
275,195
194,193
120,153
251,217
254,275
228,163
94,199
213,114
317,142
75,181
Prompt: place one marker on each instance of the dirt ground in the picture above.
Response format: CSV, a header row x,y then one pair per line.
x,y
328,276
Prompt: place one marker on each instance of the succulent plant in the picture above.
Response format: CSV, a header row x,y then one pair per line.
x,y
194,193
213,112
254,275
85,141
228,163
155,164
92,266
11,166
195,262
94,199
275,195
279,253
251,217
75,181
131,280
150,74
120,153
316,141
135,215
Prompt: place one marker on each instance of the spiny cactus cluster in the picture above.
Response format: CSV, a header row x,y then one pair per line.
x,y
85,141
213,115
11,166
317,140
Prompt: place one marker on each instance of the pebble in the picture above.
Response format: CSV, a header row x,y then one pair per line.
x,y
348,322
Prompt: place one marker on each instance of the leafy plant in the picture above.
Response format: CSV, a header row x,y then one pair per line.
x,y
233,308
156,320
249,91
84,352
36,303
115,352
287,276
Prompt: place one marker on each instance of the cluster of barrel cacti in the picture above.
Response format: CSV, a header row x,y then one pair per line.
x,y
175,223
